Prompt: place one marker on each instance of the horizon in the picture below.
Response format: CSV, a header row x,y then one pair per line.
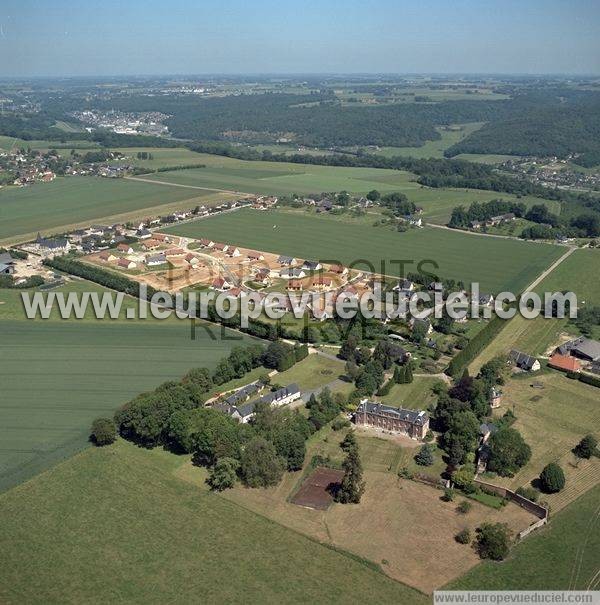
x,y
115,39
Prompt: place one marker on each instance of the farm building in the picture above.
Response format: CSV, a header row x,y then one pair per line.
x,y
566,363
525,362
413,423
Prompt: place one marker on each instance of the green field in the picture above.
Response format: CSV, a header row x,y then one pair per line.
x,y
68,201
561,556
121,524
280,178
496,263
57,376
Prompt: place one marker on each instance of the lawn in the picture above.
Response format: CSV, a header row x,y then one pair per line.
x,y
495,263
57,376
48,207
119,524
552,420
416,395
561,556
312,372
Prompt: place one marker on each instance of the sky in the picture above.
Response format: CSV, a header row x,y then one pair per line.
x,y
132,37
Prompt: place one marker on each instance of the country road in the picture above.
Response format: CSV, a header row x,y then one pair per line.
x,y
145,180
551,268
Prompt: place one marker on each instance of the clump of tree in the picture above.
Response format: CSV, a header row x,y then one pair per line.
x,y
103,432
552,478
223,475
261,466
478,211
322,409
493,541
463,536
508,452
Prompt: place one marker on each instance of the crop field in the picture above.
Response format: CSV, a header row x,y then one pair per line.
x,y
565,409
57,376
495,263
47,207
561,556
280,178
118,523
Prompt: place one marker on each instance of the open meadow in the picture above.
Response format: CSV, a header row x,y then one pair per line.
x,y
69,201
57,376
561,556
118,523
496,263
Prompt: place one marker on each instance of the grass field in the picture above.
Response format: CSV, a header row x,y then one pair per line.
x,y
495,263
280,178
561,556
119,524
312,372
537,336
57,376
67,201
416,395
552,420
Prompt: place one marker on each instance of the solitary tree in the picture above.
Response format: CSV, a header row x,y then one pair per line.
x,y
552,478
586,447
424,456
353,486
104,431
223,474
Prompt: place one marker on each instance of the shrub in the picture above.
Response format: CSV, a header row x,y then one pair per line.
x,y
528,492
425,456
463,536
449,495
339,424
104,431
552,478
464,507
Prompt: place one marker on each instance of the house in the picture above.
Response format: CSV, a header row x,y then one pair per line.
x,y
151,244
221,247
321,282
311,265
243,394
143,233
206,243
126,248
415,221
282,396
253,255
404,285
414,424
286,260
235,292
175,252
191,259
436,286
338,269
233,251
156,259
495,397
161,237
320,310
565,363
502,218
295,285
523,361
125,263
107,256
484,300
325,205
292,273
476,224
7,264
220,283
56,245
262,276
